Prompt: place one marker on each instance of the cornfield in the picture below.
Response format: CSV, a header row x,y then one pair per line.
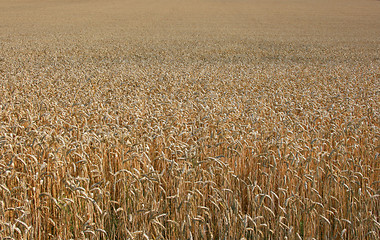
x,y
189,120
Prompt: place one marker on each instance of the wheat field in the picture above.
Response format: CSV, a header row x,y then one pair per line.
x,y
170,119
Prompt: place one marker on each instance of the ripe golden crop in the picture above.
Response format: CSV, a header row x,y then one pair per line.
x,y
189,120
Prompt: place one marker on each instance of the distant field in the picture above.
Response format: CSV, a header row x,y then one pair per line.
x,y
174,119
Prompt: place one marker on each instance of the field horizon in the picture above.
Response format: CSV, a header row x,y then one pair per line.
x,y
194,119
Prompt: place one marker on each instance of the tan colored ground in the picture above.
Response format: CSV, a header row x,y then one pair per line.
x,y
174,119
